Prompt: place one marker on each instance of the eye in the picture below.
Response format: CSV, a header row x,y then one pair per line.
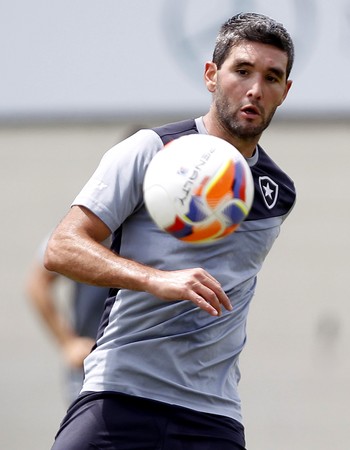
x,y
272,79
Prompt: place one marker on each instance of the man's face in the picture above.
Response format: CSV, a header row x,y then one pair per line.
x,y
248,88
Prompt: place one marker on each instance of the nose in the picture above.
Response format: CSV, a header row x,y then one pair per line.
x,y
255,89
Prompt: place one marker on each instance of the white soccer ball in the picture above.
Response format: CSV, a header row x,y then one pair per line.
x,y
199,188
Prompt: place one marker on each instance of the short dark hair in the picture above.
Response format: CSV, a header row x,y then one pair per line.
x,y
252,27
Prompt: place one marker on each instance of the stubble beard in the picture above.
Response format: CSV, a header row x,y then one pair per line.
x,y
238,128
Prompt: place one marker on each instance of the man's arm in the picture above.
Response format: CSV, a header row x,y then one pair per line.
x,y
75,250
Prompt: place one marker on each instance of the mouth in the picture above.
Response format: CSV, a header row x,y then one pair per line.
x,y
250,111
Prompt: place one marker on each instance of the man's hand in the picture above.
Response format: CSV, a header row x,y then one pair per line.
x,y
195,285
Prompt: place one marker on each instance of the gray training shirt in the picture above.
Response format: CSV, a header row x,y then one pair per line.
x,y
175,352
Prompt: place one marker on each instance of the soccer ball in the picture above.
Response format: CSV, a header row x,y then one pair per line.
x,y
199,188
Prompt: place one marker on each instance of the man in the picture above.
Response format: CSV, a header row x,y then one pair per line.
x,y
164,374
76,334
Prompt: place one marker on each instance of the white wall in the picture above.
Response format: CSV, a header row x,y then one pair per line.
x,y
129,58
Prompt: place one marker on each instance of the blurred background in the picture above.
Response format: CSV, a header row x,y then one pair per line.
x,y
76,77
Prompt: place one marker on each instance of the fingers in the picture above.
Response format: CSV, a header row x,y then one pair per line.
x,y
210,297
205,305
195,285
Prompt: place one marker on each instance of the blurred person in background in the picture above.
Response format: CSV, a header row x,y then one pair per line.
x,y
74,330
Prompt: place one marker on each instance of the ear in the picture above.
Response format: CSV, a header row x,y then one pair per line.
x,y
210,75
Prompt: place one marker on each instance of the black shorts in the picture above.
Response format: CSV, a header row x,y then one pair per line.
x,y
113,421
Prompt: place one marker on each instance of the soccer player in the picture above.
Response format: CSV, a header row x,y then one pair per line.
x,y
164,373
